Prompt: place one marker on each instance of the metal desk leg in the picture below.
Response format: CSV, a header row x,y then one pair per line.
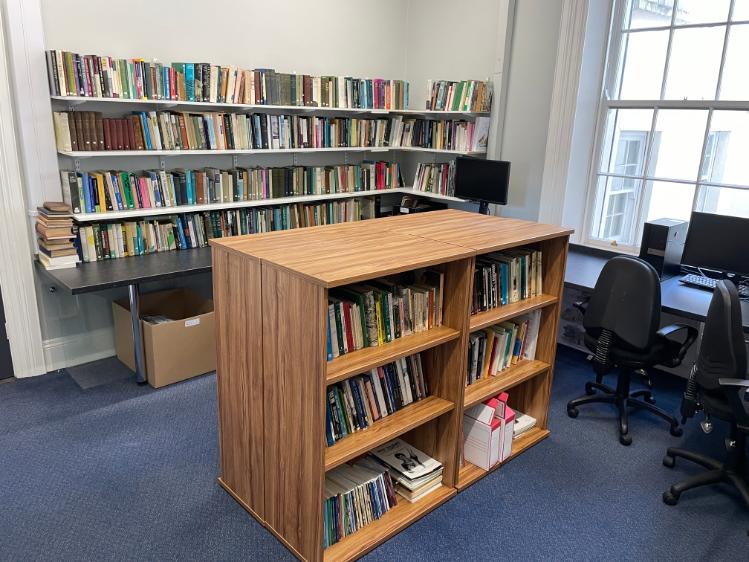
x,y
140,365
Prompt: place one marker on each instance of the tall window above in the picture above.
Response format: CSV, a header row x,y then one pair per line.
x,y
673,133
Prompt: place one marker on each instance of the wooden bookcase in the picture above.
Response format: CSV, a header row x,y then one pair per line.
x,y
270,293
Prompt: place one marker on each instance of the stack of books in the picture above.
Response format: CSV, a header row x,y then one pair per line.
x,y
523,424
488,432
355,495
498,347
502,278
369,315
71,74
106,190
435,178
358,402
415,473
56,236
466,95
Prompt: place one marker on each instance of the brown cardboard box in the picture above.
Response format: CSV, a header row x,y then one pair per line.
x,y
174,351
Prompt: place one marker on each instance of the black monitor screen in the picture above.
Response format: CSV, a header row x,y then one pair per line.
x,y
717,242
482,180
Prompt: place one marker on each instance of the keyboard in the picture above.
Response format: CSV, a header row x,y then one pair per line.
x,y
708,283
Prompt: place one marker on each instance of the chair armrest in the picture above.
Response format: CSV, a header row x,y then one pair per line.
x,y
734,382
691,336
734,390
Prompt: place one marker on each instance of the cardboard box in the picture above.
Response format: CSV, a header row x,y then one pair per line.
x,y
176,350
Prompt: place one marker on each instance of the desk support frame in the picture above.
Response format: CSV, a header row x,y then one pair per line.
x,y
133,293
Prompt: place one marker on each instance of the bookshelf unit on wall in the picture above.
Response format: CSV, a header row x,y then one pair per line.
x,y
273,373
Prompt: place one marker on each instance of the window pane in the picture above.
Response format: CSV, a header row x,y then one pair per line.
x,y
669,200
724,201
677,144
645,59
735,83
701,11
617,198
624,152
649,13
727,151
695,61
741,10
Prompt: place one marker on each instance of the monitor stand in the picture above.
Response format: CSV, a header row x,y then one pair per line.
x,y
483,207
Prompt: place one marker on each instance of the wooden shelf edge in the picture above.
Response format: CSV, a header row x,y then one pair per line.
x,y
508,311
470,473
512,376
385,429
368,358
390,524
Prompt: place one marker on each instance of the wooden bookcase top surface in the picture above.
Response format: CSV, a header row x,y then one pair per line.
x,y
331,255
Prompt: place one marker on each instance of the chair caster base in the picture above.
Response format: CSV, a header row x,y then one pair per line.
x,y
669,498
676,431
625,440
669,461
572,412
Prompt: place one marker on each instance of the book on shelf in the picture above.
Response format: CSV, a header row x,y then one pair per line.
x,y
56,234
488,432
439,134
103,191
523,424
118,239
494,349
415,473
355,495
96,76
464,95
377,312
506,277
358,402
435,178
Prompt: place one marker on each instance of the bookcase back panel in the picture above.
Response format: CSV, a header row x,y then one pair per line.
x,y
237,292
530,398
293,369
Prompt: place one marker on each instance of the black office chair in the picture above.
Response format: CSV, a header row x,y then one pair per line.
x,y
621,322
718,385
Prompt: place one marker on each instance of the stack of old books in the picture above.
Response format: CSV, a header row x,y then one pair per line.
x,y
55,232
415,473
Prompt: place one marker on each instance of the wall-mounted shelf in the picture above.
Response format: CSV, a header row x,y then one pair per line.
x,y
79,154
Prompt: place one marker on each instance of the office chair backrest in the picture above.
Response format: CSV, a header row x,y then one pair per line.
x,y
723,351
626,301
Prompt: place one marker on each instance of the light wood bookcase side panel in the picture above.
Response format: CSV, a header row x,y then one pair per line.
x,y
294,369
239,376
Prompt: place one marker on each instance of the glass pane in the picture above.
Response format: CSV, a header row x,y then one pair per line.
x,y
617,198
726,153
645,59
677,143
669,200
624,152
648,13
724,201
735,83
701,11
741,10
695,61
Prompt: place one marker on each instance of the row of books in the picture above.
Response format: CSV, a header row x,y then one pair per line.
x,y
358,402
109,240
371,314
442,134
107,190
167,130
435,178
494,349
55,236
355,495
506,277
73,74
466,95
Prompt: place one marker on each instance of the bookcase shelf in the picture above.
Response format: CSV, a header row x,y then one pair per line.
x,y
232,152
493,385
508,311
368,358
271,302
385,429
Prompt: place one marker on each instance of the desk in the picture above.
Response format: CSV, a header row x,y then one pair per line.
x,y
585,264
130,272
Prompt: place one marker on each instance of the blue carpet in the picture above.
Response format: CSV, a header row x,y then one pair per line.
x,y
121,472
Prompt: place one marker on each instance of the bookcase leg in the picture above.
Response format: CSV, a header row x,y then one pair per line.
x,y
140,367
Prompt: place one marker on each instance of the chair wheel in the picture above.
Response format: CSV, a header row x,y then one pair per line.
x,y
676,431
670,498
572,412
625,440
669,461
589,390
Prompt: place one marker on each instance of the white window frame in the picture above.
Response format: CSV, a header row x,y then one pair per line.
x,y
612,74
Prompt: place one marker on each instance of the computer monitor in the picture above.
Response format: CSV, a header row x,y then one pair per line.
x,y
717,242
482,180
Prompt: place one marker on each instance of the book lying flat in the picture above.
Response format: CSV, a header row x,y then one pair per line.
x,y
410,466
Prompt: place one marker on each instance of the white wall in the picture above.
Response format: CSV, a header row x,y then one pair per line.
x,y
531,76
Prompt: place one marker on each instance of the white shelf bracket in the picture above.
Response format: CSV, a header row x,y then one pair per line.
x,y
162,164
235,161
77,164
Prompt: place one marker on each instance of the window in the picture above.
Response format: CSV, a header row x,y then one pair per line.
x,y
673,131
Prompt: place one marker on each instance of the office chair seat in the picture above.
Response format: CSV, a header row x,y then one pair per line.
x,y
662,352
